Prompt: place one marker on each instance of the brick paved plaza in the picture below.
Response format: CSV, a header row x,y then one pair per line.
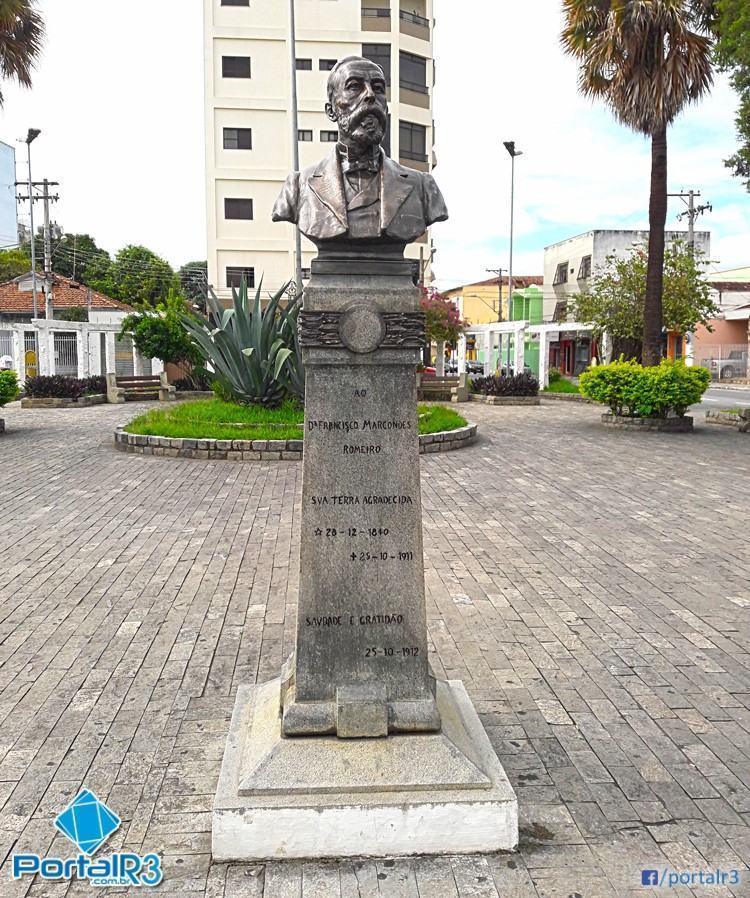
x,y
591,589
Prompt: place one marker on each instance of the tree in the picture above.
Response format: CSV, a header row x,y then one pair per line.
x,y
78,257
615,300
443,322
139,276
13,263
193,278
159,333
21,38
732,28
647,59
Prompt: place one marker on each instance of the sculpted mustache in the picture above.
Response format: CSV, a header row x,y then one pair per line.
x,y
358,116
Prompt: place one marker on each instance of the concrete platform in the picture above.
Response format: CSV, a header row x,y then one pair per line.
x,y
318,797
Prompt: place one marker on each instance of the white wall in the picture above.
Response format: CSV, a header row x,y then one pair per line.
x,y
326,29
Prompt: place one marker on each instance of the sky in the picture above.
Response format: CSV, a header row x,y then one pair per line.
x,y
118,96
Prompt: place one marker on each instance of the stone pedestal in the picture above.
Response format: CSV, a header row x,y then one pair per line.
x,y
432,793
356,750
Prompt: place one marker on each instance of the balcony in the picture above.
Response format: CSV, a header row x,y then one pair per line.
x,y
376,18
415,25
411,159
414,93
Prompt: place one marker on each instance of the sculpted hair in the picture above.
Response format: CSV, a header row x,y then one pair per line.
x,y
333,76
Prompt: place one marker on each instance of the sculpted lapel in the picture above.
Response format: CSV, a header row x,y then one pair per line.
x,y
397,185
328,186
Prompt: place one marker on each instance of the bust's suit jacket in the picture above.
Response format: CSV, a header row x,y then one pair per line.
x,y
410,201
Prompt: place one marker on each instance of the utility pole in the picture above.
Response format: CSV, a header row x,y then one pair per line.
x,y
295,138
499,273
46,198
692,213
510,146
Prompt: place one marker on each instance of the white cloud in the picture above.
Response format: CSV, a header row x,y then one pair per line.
x,y
119,99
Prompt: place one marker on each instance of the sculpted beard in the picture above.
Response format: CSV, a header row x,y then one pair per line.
x,y
368,118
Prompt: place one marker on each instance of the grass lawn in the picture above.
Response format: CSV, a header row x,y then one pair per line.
x,y
217,420
730,411
561,386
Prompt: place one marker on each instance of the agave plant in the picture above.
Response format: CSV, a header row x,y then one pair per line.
x,y
254,353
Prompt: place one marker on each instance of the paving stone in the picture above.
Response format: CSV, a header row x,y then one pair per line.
x,y
611,672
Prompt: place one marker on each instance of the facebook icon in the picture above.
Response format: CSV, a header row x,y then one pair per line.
x,y
649,877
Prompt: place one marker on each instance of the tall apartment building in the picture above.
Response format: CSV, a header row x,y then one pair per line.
x,y
248,123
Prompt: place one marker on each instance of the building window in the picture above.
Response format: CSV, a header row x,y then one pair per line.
x,y
325,65
304,65
584,272
238,138
561,275
235,67
329,136
235,275
413,141
380,54
413,72
304,136
235,2
306,274
238,208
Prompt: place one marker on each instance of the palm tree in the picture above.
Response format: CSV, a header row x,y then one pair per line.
x,y
647,59
21,37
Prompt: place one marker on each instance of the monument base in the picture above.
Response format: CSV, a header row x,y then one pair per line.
x,y
318,797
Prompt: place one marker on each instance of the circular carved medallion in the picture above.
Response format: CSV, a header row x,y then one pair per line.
x,y
362,328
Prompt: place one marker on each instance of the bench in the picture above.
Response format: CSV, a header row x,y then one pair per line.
x,y
442,389
140,388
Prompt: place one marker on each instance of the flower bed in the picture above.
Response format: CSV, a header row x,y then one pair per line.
x,y
223,430
652,398
265,450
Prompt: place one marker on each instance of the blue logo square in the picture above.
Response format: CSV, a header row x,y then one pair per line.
x,y
87,822
649,877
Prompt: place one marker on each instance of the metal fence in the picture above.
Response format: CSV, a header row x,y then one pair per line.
x,y
727,362
6,344
66,353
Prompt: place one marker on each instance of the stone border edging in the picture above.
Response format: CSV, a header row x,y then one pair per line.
x,y
723,418
566,397
683,424
265,450
504,400
57,402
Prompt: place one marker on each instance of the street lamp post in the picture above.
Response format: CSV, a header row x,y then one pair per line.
x,y
295,139
510,146
30,138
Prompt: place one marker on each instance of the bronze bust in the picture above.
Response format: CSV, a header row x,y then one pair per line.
x,y
358,193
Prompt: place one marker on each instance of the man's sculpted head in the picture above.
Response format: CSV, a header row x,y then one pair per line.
x,y
357,101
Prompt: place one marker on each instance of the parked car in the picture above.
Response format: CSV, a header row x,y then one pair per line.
x,y
473,369
734,365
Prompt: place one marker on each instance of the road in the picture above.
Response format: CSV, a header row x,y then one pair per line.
x,y
717,398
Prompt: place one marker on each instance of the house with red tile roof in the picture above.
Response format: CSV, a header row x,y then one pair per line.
x,y
17,300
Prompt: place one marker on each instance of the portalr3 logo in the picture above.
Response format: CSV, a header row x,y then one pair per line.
x,y
88,823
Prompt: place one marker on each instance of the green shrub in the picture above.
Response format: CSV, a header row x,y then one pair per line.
x,y
655,392
254,352
524,384
58,387
8,387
